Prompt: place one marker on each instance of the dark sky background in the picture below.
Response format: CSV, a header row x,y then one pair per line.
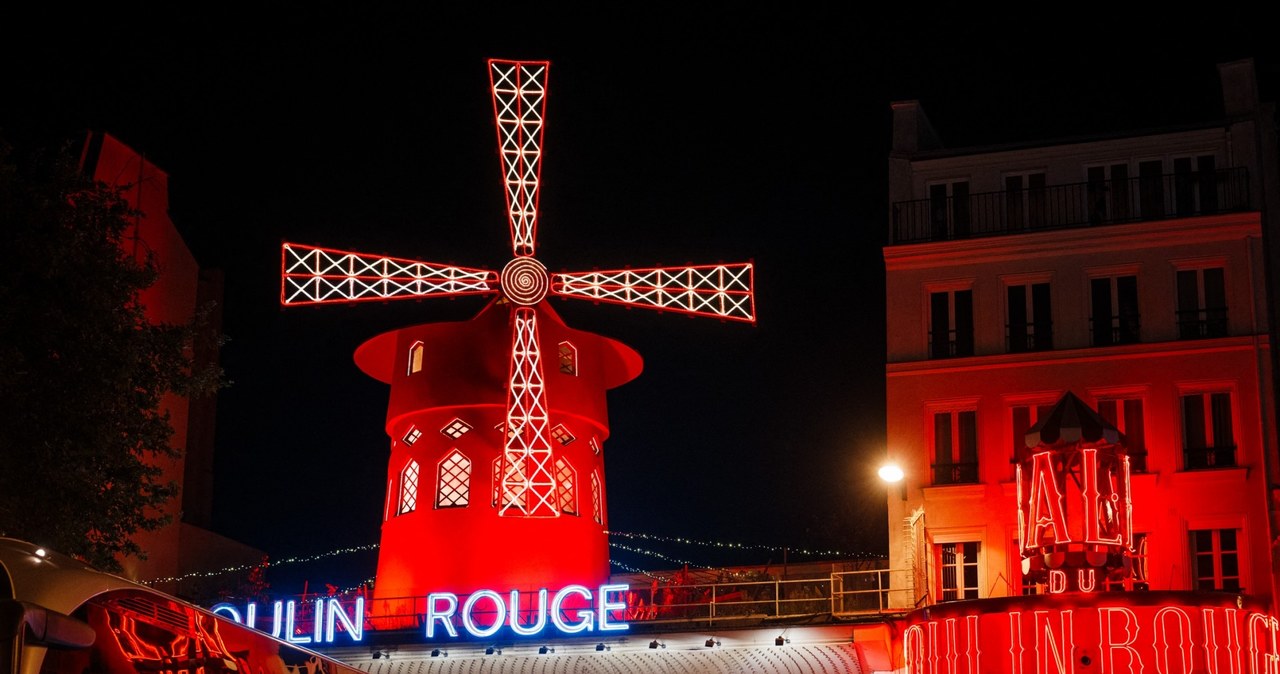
x,y
673,136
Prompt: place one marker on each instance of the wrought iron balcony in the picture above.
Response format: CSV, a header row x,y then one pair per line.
x,y
955,473
1024,337
1202,323
1086,204
1113,330
950,344
1210,457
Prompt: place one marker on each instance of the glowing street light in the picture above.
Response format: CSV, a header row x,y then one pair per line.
x,y
891,473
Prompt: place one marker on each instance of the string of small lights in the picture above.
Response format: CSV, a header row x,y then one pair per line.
x,y
745,546
622,534
659,555
269,564
632,569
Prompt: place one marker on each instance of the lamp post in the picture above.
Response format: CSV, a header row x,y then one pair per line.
x,y
892,473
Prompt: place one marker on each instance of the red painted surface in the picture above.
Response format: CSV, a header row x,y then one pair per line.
x,y
463,376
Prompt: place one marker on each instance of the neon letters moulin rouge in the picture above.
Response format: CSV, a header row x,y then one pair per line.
x,y
1106,633
572,610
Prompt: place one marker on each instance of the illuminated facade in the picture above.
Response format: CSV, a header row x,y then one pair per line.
x,y
498,424
187,543
1129,271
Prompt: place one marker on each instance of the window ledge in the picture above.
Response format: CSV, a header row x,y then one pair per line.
x,y
1189,478
955,491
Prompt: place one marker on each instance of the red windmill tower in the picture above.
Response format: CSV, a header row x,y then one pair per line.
x,y
496,478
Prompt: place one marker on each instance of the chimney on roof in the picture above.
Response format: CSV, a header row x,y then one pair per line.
x,y
1239,88
912,131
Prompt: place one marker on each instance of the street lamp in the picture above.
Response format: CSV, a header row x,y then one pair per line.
x,y
892,473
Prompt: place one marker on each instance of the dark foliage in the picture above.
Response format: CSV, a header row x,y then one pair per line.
x,y
82,372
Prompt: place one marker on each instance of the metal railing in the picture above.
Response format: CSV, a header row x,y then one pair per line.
x,y
1024,337
1113,330
1202,323
950,343
955,473
840,593
1086,204
1223,456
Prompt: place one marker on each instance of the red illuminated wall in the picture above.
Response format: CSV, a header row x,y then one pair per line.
x,y
179,288
463,377
1014,237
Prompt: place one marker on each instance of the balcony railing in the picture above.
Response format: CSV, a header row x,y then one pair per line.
x,y
1024,337
955,473
1210,457
1112,330
1087,204
1202,323
950,343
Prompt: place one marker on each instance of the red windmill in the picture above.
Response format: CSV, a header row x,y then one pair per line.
x,y
447,418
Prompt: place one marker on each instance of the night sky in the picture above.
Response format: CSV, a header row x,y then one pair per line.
x,y
672,137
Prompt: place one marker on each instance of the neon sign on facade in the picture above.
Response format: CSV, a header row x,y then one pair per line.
x,y
1112,637
481,614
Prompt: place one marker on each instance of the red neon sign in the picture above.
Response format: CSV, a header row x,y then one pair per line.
x,y
1167,631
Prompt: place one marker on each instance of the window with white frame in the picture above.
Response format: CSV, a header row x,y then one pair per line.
x,y
1207,437
1125,412
1215,559
1022,418
951,323
1108,193
949,210
1195,185
594,444
1029,325
1202,303
1024,200
955,447
408,488
411,436
1113,303
957,570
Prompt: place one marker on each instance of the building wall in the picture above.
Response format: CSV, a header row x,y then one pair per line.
x,y
181,286
1173,496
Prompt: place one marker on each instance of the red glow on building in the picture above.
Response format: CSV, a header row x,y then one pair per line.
x,y
498,424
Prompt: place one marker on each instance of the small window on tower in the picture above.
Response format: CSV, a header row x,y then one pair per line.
x,y
412,436
568,358
566,487
453,485
408,488
562,434
456,428
415,358
597,507
502,428
594,444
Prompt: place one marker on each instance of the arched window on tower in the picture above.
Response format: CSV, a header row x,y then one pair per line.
x,y
453,484
566,487
408,488
568,358
597,508
415,358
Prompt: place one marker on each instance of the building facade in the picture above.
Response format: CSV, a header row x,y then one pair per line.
x,y
1129,270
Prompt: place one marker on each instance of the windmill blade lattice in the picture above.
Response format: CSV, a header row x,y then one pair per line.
x,y
519,104
527,482
723,291
312,275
